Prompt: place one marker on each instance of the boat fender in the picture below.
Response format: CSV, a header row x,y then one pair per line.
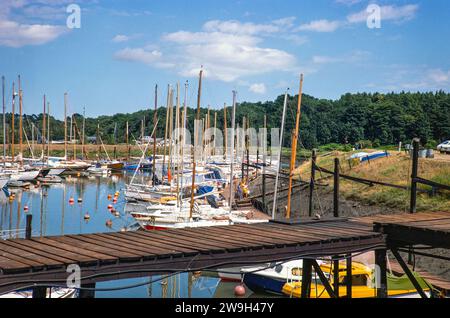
x,y
239,290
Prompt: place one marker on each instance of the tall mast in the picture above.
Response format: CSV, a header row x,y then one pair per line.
x,y
165,132
74,135
274,207
12,123
195,142
126,141
65,125
233,120
20,122
155,121
184,135
215,128
48,131
225,127
4,122
83,136
177,127
43,129
294,147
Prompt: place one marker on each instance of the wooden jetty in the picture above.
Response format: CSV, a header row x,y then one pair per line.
x,y
110,256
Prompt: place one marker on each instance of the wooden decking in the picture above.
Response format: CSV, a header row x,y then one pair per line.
x,y
111,256
131,254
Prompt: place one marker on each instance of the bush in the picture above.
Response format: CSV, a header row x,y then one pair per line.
x,y
431,144
376,143
365,143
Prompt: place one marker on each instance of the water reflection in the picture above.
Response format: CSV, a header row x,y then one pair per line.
x,y
54,214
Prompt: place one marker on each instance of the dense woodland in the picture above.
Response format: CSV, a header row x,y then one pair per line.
x,y
372,119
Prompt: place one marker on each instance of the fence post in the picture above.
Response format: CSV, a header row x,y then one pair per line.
x,y
415,161
312,180
28,228
380,262
336,188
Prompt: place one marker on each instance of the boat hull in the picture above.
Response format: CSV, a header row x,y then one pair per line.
x,y
259,283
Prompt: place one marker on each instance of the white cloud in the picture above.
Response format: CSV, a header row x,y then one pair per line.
x,y
228,50
15,35
320,26
439,76
353,57
139,55
236,27
120,38
17,28
389,12
258,88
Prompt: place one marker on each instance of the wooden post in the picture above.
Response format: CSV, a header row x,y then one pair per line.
x,y
28,230
336,277
380,262
349,276
336,188
39,292
312,180
415,163
87,293
306,278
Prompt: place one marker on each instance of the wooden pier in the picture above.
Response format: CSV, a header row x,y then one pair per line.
x,y
110,256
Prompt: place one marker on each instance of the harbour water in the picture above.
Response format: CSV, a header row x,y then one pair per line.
x,y
54,214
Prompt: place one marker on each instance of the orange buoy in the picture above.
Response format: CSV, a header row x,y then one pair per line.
x,y
109,196
110,207
239,290
71,200
115,200
25,208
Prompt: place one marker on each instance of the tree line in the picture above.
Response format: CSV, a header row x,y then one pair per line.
x,y
373,119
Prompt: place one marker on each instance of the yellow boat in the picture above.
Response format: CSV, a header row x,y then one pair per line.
x,y
362,283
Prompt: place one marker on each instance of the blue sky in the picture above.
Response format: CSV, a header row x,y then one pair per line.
x,y
258,47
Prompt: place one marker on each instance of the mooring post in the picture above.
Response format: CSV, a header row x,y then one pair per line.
x,y
336,188
39,292
349,276
306,278
264,188
380,262
336,276
28,228
312,180
415,163
87,293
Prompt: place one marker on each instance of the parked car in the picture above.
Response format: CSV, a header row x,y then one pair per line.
x,y
444,147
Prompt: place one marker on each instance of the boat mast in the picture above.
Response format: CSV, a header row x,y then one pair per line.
x,y
274,207
74,135
294,147
12,123
169,163
65,126
20,123
48,131
4,122
184,136
83,136
165,132
155,121
225,127
43,130
233,121
177,149
195,142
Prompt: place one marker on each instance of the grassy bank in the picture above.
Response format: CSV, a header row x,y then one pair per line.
x,y
395,169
